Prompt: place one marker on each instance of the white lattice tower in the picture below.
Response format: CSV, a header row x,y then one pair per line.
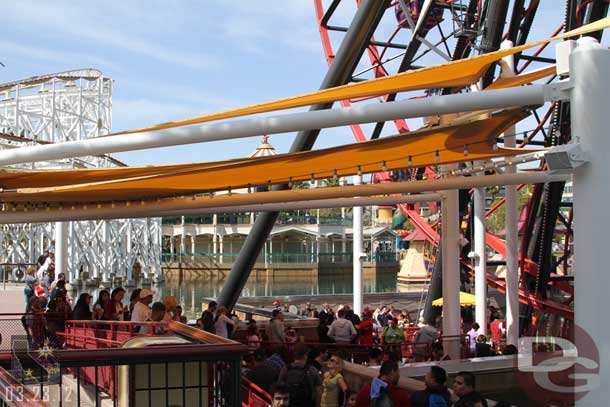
x,y
72,105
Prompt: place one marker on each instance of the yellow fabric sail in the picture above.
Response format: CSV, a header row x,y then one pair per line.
x,y
455,73
468,141
13,179
525,78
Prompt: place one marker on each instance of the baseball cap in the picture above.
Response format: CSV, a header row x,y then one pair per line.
x,y
146,292
276,302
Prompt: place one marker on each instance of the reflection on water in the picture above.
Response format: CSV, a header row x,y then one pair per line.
x,y
189,292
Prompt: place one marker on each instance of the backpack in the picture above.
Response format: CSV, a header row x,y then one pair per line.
x,y
384,399
436,400
299,387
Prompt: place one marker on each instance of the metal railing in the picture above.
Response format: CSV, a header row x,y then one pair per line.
x,y
281,258
252,395
13,272
15,326
92,366
409,350
241,219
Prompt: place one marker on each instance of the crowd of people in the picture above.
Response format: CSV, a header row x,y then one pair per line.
x,y
48,305
385,327
291,371
315,378
311,374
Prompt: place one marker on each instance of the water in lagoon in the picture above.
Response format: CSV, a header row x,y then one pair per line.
x,y
189,292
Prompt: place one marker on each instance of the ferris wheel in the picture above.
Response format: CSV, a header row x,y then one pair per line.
x,y
410,34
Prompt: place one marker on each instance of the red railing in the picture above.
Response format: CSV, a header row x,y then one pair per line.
x,y
95,335
252,395
103,334
358,353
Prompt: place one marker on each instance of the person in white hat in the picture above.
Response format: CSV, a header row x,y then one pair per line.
x,y
141,311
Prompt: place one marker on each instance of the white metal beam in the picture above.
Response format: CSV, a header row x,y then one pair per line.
x,y
357,253
243,202
493,99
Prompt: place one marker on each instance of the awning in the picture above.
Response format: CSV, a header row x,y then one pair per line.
x,y
467,141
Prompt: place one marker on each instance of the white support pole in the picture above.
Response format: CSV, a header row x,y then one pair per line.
x,y
357,253
220,249
451,272
61,248
17,100
590,98
182,239
72,264
511,225
107,253
130,261
193,248
31,245
271,249
480,282
54,120
492,99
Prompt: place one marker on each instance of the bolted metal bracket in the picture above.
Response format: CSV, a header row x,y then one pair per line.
x,y
558,91
565,158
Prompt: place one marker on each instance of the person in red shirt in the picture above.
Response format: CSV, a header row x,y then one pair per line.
x,y
365,328
497,330
388,375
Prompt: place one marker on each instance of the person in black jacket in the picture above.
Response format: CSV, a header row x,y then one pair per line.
x,y
208,316
464,388
435,389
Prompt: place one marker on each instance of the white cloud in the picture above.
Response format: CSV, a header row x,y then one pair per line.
x,y
57,56
253,26
107,25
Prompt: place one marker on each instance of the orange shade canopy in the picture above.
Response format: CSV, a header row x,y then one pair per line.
x,y
472,140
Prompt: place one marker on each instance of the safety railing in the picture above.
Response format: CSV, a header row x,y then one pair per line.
x,y
81,334
252,395
35,326
94,367
409,350
13,272
245,219
160,375
281,258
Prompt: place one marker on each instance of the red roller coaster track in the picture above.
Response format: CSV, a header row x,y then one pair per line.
x,y
375,55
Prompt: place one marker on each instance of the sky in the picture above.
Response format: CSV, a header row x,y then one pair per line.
x,y
171,60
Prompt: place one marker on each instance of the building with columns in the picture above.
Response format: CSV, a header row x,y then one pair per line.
x,y
306,237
